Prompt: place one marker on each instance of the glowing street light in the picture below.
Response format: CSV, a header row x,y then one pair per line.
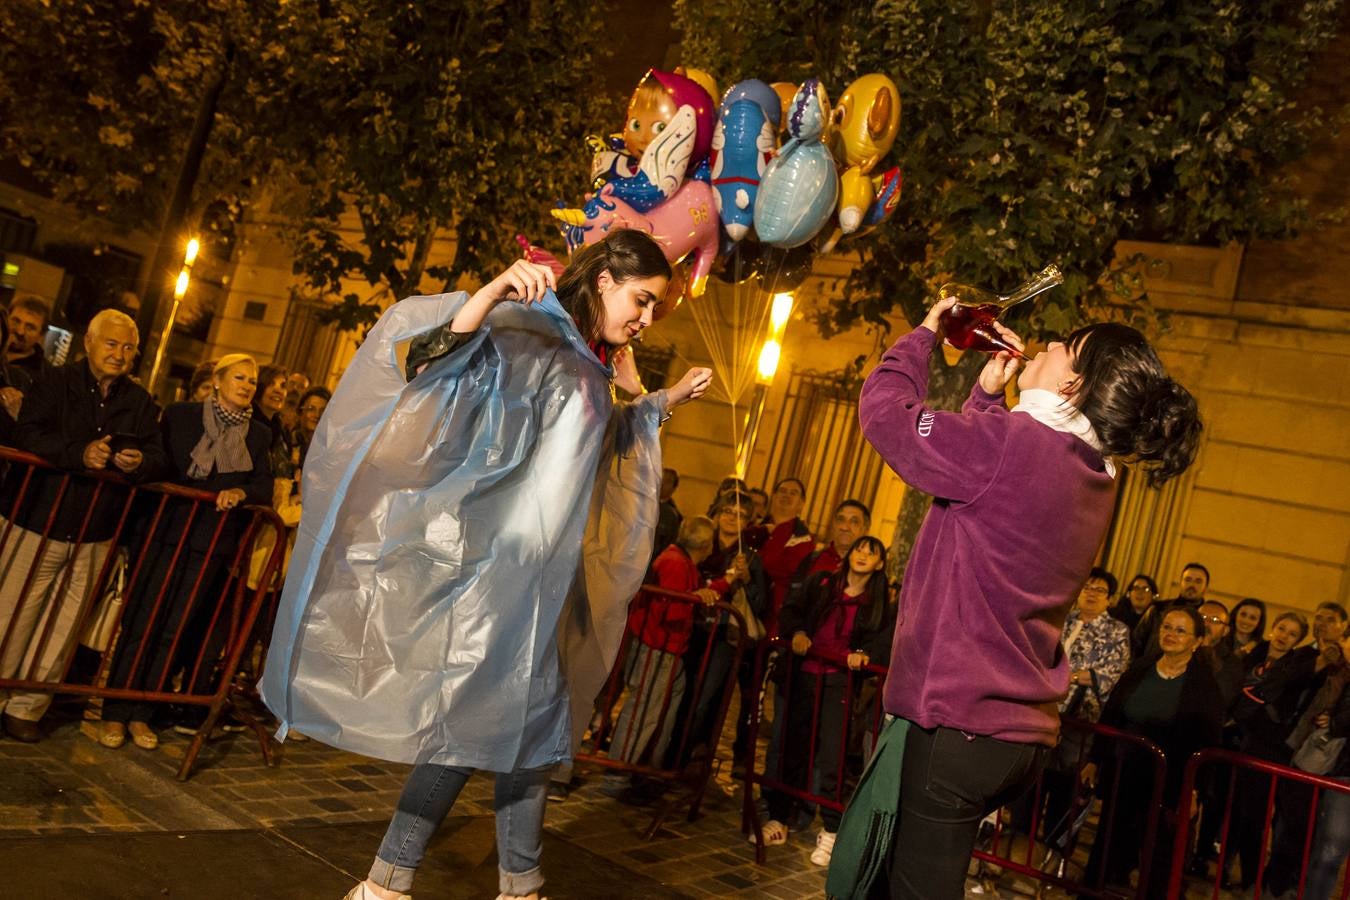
x,y
769,355
180,287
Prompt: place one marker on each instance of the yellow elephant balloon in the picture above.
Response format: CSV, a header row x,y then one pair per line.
x,y
702,79
785,90
866,121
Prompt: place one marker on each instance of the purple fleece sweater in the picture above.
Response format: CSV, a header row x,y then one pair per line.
x,y
1018,514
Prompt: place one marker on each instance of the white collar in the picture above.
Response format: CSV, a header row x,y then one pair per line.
x,y
1053,411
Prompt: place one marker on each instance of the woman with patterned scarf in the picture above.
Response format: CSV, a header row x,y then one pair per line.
x,y
214,446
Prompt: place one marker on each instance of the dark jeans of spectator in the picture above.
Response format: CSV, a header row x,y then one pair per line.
x,y
154,639
949,781
702,710
1289,835
790,756
1115,856
1252,792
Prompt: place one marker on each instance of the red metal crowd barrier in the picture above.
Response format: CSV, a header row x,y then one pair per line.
x,y
183,619
1018,840
784,771
1278,843
672,684
1025,840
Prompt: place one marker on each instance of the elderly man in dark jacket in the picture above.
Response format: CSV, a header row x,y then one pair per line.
x,y
85,416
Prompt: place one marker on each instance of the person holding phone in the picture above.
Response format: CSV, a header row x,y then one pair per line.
x,y
70,417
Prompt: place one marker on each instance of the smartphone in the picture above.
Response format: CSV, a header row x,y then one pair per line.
x,y
123,440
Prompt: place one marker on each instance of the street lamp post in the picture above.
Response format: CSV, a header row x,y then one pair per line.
x,y
769,355
179,291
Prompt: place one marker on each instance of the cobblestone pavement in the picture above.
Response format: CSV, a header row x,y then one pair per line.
x,y
68,786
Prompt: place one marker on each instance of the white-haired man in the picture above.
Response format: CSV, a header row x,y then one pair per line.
x,y
84,416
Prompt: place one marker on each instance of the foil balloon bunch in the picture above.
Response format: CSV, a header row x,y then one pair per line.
x,y
751,187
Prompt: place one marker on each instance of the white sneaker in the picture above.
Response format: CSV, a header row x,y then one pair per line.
x,y
824,847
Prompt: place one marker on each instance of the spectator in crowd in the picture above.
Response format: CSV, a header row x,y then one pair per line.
x,y
731,567
760,499
1136,600
25,353
1331,835
290,411
267,403
218,447
728,485
1022,500
298,382
71,417
1227,665
1229,673
1098,649
312,404
1266,711
1294,800
11,398
668,515
1194,583
844,619
200,384
850,521
1173,700
1316,664
660,630
786,543
1249,627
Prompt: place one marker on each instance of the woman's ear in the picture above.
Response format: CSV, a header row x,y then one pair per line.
x,y
1069,387
604,281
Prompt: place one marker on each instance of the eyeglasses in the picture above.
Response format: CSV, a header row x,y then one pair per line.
x,y
1174,629
1217,620
1095,589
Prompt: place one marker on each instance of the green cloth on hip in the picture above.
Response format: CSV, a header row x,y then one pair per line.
x,y
868,826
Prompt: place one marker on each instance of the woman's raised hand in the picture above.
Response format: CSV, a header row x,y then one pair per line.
x,y
524,282
1002,366
693,385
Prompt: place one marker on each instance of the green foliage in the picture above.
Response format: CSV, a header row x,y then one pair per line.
x,y
400,118
438,114
1049,130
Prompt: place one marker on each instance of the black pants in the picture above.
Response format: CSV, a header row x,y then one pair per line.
x,y
151,634
793,749
949,782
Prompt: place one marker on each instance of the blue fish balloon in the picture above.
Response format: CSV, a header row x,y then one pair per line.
x,y
800,187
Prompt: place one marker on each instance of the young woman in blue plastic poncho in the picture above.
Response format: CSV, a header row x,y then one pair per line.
x,y
478,512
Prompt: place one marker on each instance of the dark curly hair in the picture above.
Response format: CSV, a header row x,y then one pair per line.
x,y
1140,414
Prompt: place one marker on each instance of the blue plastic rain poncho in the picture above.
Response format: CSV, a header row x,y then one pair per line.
x,y
468,547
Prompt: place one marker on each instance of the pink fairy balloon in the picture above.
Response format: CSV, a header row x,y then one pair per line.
x,y
686,224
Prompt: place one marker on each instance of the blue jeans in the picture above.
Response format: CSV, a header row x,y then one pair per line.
x,y
427,797
1331,842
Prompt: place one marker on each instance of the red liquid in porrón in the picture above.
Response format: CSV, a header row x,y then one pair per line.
x,y
970,328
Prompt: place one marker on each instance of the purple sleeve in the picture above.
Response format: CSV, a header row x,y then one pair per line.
x,y
948,455
980,400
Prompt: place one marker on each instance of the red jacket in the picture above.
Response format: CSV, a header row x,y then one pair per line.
x,y
660,623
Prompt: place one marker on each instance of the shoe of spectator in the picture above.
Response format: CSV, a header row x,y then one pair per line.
x,y
774,831
824,848
22,729
558,792
112,734
142,735
361,892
